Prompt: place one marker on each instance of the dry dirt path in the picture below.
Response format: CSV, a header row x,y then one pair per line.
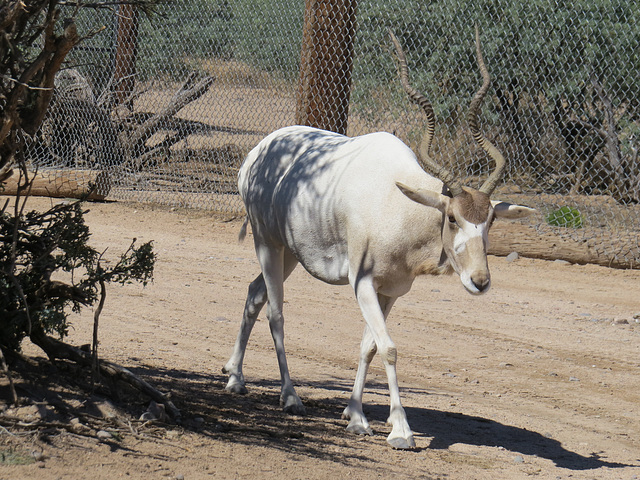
x,y
539,378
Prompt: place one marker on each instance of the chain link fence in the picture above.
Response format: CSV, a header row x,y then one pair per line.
x,y
170,104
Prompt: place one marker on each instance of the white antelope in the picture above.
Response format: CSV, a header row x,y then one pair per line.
x,y
361,211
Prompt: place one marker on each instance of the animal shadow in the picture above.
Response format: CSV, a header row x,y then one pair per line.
x,y
448,428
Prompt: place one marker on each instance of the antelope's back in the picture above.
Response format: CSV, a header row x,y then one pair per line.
x,y
316,192
266,165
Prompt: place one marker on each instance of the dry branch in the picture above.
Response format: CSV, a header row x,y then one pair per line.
x,y
95,364
56,349
134,140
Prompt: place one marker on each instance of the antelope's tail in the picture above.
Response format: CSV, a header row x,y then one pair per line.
x,y
243,230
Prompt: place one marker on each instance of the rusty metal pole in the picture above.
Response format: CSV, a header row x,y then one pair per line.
x,y
324,86
126,52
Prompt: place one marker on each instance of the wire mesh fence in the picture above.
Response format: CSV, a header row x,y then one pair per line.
x,y
170,104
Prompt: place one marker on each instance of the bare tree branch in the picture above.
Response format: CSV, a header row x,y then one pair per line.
x,y
187,94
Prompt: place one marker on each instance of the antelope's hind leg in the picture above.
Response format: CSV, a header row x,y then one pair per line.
x,y
256,298
277,264
357,421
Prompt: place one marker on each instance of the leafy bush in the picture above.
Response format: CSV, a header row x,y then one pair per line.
x,y
262,33
567,217
36,250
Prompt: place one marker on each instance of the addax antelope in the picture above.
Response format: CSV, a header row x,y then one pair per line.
x,y
361,211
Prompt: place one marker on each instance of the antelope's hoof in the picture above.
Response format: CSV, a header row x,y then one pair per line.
x,y
236,388
295,409
400,443
359,429
292,404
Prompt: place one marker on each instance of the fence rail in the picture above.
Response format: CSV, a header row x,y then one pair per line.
x,y
169,105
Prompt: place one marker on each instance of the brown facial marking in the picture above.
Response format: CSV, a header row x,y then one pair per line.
x,y
473,205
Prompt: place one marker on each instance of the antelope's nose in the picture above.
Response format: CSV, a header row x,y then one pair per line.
x,y
482,281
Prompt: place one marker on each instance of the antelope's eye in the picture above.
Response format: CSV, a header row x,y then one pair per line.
x,y
452,220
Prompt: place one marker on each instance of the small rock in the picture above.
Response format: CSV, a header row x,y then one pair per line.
x,y
218,427
561,262
512,257
107,409
77,425
147,417
29,413
518,459
574,379
198,421
180,477
104,435
505,365
37,455
620,321
155,411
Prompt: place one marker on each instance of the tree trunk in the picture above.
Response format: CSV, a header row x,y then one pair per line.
x,y
326,62
126,52
92,184
507,237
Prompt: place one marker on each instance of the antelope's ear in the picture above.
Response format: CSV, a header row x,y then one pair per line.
x,y
425,197
510,211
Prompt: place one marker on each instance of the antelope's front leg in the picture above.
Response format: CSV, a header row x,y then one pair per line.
x,y
401,436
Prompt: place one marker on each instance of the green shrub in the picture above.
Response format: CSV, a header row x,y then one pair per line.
x,y
37,250
567,217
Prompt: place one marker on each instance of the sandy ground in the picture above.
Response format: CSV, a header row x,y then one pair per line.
x,y
539,378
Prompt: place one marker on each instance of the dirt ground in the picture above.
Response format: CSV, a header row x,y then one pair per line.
x,y
539,378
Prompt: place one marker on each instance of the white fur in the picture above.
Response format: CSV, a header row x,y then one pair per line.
x,y
351,210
